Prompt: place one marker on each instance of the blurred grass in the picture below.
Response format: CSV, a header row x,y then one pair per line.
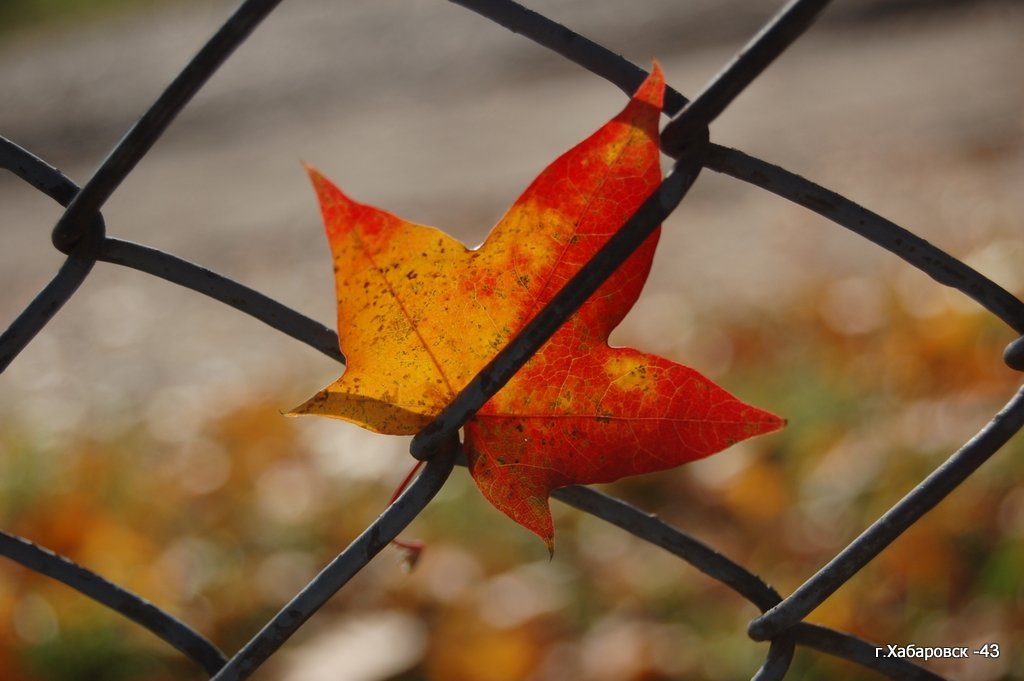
x,y
28,15
222,527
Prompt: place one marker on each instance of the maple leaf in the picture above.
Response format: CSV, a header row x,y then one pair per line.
x,y
419,315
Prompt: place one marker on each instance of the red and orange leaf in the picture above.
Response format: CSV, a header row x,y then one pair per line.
x,y
419,315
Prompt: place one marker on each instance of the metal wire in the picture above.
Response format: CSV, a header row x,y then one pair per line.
x,y
562,305
76,222
940,266
216,286
68,278
894,522
778,34
118,599
348,563
81,233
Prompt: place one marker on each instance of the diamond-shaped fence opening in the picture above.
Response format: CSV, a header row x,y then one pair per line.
x,y
89,245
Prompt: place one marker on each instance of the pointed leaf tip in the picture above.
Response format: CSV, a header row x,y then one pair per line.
x,y
652,89
321,185
315,175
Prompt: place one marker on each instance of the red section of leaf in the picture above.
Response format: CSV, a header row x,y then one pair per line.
x,y
419,315
597,417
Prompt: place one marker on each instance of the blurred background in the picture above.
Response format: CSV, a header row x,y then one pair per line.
x,y
141,433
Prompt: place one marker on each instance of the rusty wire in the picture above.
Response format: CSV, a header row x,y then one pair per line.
x,y
80,233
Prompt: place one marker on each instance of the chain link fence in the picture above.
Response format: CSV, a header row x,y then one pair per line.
x,y
81,234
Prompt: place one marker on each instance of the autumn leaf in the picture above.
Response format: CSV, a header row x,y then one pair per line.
x,y
419,315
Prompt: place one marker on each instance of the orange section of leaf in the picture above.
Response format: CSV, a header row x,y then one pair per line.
x,y
419,315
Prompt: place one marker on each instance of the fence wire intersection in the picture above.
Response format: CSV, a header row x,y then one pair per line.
x,y
81,235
